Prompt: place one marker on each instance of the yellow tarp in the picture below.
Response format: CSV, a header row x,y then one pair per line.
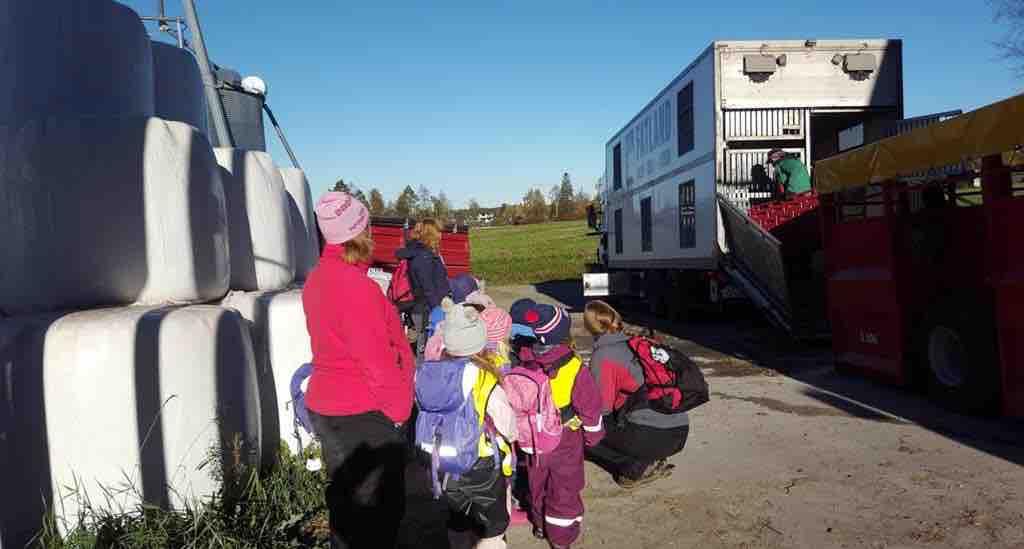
x,y
994,129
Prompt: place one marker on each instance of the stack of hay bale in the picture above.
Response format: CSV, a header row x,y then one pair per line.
x,y
149,315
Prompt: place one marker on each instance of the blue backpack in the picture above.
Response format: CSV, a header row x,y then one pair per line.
x,y
447,426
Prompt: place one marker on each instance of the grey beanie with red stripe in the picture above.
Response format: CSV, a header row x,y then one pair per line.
x,y
552,325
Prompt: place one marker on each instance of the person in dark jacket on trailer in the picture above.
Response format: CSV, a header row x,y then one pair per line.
x,y
635,446
427,273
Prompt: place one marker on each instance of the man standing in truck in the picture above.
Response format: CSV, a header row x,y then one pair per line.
x,y
790,172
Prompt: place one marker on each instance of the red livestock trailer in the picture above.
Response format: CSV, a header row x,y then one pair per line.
x,y
924,275
389,235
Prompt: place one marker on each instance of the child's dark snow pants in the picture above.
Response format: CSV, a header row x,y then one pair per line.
x,y
556,486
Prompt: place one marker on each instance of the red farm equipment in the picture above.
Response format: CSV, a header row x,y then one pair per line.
x,y
389,235
924,279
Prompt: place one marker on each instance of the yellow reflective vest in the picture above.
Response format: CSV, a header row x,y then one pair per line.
x,y
482,389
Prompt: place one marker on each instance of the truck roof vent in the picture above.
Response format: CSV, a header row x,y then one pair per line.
x,y
859,65
759,67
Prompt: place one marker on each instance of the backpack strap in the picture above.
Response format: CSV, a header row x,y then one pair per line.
x,y
435,466
300,415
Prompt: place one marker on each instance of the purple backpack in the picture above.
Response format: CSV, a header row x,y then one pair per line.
x,y
447,426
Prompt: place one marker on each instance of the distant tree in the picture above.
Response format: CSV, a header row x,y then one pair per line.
x,y
357,193
424,206
441,205
565,198
473,209
580,203
341,187
502,216
553,194
376,202
406,203
535,209
1011,43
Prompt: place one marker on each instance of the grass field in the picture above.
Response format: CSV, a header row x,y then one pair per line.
x,y
528,254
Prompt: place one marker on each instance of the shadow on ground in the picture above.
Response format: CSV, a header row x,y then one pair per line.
x,y
740,342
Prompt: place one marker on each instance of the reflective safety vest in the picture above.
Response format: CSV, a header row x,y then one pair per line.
x,y
561,391
482,389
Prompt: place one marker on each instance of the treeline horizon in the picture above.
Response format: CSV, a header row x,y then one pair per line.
x,y
562,202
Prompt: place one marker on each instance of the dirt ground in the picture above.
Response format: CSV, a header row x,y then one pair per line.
x,y
789,453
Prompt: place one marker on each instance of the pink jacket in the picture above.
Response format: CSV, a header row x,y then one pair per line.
x,y
362,361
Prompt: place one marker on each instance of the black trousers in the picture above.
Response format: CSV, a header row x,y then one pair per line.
x,y
481,521
628,450
377,497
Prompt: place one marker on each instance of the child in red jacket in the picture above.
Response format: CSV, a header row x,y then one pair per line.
x,y
557,478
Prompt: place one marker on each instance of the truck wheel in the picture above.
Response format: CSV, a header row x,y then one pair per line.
x,y
958,346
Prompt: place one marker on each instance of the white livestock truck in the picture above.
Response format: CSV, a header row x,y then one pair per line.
x,y
690,152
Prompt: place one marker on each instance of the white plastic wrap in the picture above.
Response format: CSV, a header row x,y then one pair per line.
x,y
259,221
137,396
304,228
73,58
178,87
282,345
109,211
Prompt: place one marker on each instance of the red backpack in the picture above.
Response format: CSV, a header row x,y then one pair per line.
x,y
672,382
400,290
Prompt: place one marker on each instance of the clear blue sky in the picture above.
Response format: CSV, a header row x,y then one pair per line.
x,y
487,99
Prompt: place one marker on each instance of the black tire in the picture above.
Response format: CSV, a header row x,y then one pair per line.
x,y
959,355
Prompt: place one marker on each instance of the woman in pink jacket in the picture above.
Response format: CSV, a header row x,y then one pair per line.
x,y
360,393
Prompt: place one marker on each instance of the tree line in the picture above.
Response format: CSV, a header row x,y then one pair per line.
x,y
561,202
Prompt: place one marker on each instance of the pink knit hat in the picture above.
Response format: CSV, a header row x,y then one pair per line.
x,y
498,323
341,217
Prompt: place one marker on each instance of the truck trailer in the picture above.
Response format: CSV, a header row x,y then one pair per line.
x,y
925,282
688,158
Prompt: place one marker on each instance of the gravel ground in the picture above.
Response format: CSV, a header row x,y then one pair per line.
x,y
790,453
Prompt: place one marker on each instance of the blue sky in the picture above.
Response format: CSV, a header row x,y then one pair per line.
x,y
487,99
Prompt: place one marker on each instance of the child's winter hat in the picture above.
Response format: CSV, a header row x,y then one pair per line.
x,y
521,330
464,332
519,309
462,286
498,323
480,299
340,217
552,324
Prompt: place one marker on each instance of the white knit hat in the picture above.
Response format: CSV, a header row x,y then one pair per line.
x,y
464,332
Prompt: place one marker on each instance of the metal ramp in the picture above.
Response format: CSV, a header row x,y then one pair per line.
x,y
775,257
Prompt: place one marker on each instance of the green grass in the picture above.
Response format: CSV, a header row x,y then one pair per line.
x,y
282,509
529,254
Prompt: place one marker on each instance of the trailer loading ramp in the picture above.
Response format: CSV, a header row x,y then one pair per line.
x,y
776,260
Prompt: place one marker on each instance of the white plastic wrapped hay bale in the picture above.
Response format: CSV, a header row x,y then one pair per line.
x,y
178,86
73,58
304,228
259,221
281,343
137,397
110,211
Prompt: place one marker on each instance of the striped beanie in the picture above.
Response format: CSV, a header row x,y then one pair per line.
x,y
498,323
551,324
